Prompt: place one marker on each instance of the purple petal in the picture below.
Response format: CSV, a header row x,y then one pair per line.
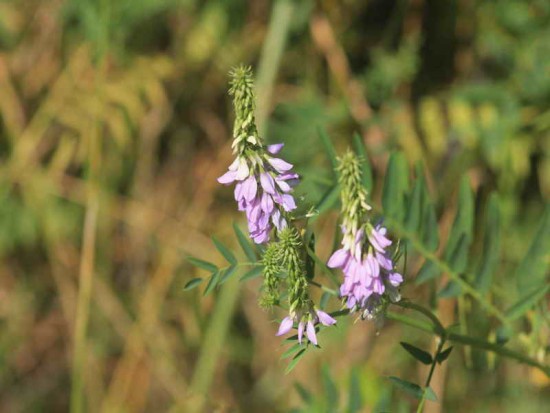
x,y
242,170
288,176
384,261
285,326
268,184
279,164
235,164
227,178
275,148
374,266
311,333
287,201
300,331
338,258
324,318
283,185
276,218
378,240
239,191
267,203
395,279
377,286
250,187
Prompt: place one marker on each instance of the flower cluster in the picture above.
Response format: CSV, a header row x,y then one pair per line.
x,y
369,274
264,183
301,309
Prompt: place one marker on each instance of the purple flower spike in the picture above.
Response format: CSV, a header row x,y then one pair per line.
x,y
263,190
285,327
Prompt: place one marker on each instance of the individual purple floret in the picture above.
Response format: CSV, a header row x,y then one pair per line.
x,y
263,191
305,321
368,270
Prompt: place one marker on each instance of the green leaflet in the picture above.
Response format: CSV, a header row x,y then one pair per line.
x,y
252,273
189,285
355,398
452,289
428,271
328,200
245,244
464,219
414,206
419,354
295,360
205,265
491,246
212,283
533,269
365,164
413,389
441,357
329,147
228,255
526,302
331,391
396,186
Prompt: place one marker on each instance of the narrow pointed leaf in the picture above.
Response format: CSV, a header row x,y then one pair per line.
x,y
291,351
205,265
365,164
329,199
324,300
412,389
526,302
414,206
395,186
441,357
464,219
430,229
227,274
459,258
212,283
331,391
304,394
419,354
189,285
355,398
252,273
329,147
491,246
452,289
310,262
295,360
428,272
245,244
228,255
533,269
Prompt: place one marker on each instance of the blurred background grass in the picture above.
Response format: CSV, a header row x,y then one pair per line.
x,y
114,124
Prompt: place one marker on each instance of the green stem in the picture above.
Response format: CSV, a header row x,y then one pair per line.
x,y
430,375
218,326
326,289
444,267
462,339
272,51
